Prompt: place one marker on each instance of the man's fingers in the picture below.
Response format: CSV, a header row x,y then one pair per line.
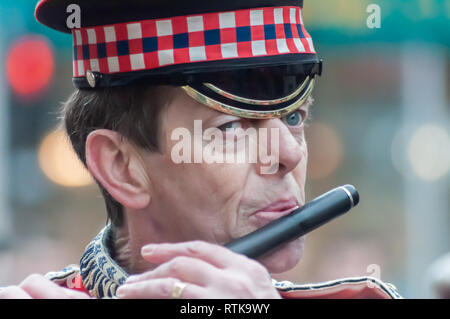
x,y
37,286
216,255
186,269
13,292
73,294
158,289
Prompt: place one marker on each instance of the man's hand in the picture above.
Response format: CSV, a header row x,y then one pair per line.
x,y
39,287
210,271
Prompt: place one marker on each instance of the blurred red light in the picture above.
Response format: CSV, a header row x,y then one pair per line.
x,y
29,65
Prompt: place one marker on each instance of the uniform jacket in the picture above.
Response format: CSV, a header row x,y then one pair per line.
x,y
100,276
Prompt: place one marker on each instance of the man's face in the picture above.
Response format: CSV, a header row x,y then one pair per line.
x,y
219,202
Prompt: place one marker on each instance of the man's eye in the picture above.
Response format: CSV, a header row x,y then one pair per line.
x,y
295,119
231,126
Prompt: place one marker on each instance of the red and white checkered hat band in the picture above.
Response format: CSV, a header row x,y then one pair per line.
x,y
151,44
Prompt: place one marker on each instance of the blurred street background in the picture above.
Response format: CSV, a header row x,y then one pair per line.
x,y
381,121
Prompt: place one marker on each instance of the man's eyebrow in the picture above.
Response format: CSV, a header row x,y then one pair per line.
x,y
308,103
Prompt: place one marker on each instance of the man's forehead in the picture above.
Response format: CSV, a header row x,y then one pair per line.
x,y
182,106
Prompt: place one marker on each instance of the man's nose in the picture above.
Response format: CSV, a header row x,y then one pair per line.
x,y
285,155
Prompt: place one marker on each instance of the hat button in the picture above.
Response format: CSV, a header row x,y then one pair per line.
x,y
91,78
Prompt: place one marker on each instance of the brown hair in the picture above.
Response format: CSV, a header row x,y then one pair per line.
x,y
133,111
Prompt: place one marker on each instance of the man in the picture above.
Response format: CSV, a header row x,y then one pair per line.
x,y
171,100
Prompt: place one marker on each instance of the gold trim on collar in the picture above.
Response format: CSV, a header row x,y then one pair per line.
x,y
101,274
251,114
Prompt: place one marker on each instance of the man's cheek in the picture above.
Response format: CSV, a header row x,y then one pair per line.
x,y
226,181
300,171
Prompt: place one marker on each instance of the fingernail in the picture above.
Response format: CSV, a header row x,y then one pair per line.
x,y
121,291
147,250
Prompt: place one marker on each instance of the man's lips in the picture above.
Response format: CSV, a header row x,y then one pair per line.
x,y
277,209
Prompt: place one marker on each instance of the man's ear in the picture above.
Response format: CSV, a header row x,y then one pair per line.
x,y
115,164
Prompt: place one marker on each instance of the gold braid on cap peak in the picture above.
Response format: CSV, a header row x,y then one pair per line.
x,y
254,114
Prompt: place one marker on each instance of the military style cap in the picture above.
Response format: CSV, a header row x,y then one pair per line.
x,y
250,58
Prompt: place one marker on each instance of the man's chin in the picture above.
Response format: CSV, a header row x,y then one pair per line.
x,y
284,258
